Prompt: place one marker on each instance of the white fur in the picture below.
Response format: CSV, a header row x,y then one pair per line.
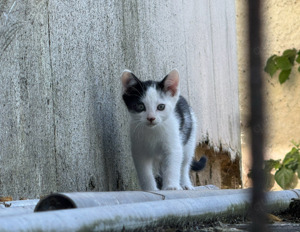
x,y
158,148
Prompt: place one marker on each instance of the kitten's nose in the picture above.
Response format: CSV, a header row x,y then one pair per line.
x,y
150,119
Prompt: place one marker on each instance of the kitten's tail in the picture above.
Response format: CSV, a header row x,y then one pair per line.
x,y
197,166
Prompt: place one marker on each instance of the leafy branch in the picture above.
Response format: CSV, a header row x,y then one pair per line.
x,y
285,62
286,169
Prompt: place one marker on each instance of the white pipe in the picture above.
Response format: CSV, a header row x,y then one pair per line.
x,y
59,201
85,200
137,215
207,187
16,211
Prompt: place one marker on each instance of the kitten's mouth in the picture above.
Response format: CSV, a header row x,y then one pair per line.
x,y
151,125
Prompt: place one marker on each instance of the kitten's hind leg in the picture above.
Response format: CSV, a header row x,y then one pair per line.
x,y
189,151
185,181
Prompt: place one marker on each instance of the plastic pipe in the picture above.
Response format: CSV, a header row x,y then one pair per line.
x,y
16,211
28,206
141,215
207,187
59,201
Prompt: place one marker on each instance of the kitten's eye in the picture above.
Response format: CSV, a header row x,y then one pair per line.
x,y
140,107
161,107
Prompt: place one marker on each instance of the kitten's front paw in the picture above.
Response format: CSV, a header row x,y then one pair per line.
x,y
171,187
187,187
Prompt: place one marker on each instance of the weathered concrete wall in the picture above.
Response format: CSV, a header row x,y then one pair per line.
x,y
281,31
63,124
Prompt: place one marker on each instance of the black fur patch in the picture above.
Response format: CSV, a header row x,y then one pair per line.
x,y
135,93
186,122
197,166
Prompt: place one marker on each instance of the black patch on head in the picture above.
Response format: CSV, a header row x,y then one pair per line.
x,y
161,85
134,93
185,118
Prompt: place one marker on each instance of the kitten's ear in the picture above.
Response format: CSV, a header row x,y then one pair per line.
x,y
171,82
128,79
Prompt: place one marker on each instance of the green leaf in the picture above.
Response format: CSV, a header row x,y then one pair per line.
x,y
294,151
284,177
293,154
287,160
270,164
290,54
292,159
277,165
294,143
293,165
284,75
283,63
298,171
297,145
271,66
298,58
292,59
299,69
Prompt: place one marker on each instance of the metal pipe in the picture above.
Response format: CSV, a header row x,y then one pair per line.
x,y
141,215
59,201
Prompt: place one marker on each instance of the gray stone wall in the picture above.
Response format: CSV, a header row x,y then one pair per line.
x,y
63,125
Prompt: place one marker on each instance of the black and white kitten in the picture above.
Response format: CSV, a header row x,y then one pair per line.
x,y
163,132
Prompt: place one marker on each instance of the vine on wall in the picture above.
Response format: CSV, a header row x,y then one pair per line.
x,y
284,63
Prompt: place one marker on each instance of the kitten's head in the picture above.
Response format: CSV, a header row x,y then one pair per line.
x,y
150,102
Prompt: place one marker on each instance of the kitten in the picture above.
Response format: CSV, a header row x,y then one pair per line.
x,y
163,132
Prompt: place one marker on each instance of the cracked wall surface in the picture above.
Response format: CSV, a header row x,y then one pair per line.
x,y
63,125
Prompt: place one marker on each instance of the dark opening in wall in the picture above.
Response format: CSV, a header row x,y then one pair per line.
x,y
220,170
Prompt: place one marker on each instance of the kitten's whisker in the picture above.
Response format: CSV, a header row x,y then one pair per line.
x,y
140,131
133,94
141,85
138,90
137,126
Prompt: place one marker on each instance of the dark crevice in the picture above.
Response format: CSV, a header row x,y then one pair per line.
x,y
53,97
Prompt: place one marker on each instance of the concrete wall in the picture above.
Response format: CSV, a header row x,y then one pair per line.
x,y
281,31
63,124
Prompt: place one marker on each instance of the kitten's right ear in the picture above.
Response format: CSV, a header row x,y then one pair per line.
x,y
128,79
171,83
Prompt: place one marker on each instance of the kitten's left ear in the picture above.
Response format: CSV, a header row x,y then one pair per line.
x,y
171,82
128,79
